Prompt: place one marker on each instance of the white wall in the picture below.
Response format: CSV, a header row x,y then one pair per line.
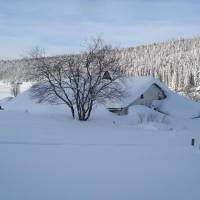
x,y
151,94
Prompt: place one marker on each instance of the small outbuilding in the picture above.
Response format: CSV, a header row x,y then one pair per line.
x,y
146,91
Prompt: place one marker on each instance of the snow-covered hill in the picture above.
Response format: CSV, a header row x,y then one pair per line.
x,y
5,88
175,62
174,105
146,155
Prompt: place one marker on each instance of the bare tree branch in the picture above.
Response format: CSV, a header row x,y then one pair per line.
x,y
77,81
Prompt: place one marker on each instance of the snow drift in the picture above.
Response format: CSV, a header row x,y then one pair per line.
x,y
174,105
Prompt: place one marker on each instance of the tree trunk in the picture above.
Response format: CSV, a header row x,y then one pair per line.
x,y
73,112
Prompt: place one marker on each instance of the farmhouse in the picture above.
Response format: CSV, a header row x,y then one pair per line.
x,y
146,91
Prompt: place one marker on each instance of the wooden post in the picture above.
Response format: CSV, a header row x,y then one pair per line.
x,y
193,142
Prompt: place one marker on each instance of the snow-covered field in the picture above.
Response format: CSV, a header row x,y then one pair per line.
x,y
5,88
45,155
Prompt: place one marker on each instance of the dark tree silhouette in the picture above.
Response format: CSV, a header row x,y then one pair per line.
x,y
79,80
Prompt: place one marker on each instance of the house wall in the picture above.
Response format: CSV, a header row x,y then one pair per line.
x,y
153,93
119,111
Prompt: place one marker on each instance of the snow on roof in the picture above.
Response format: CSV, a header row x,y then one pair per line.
x,y
179,106
174,105
134,87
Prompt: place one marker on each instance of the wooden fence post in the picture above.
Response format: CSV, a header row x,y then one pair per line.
x,y
193,142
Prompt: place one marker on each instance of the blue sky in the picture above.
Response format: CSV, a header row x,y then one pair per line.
x,y
62,26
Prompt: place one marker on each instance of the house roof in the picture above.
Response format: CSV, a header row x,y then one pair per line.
x,y
134,87
174,105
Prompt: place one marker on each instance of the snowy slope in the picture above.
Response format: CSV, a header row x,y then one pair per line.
x,y
174,105
54,157
5,88
146,155
139,116
180,106
24,103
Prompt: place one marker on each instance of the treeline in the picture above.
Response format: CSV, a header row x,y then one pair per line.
x,y
174,62
20,69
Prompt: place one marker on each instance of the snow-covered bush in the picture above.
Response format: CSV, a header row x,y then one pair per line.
x,y
151,117
143,114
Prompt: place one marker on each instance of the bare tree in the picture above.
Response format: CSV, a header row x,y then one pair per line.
x,y
79,80
15,88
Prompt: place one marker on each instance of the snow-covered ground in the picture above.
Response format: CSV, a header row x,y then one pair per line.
x,y
5,88
45,155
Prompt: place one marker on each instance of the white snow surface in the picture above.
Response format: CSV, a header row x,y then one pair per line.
x,y
24,103
180,106
133,88
5,88
45,155
174,105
